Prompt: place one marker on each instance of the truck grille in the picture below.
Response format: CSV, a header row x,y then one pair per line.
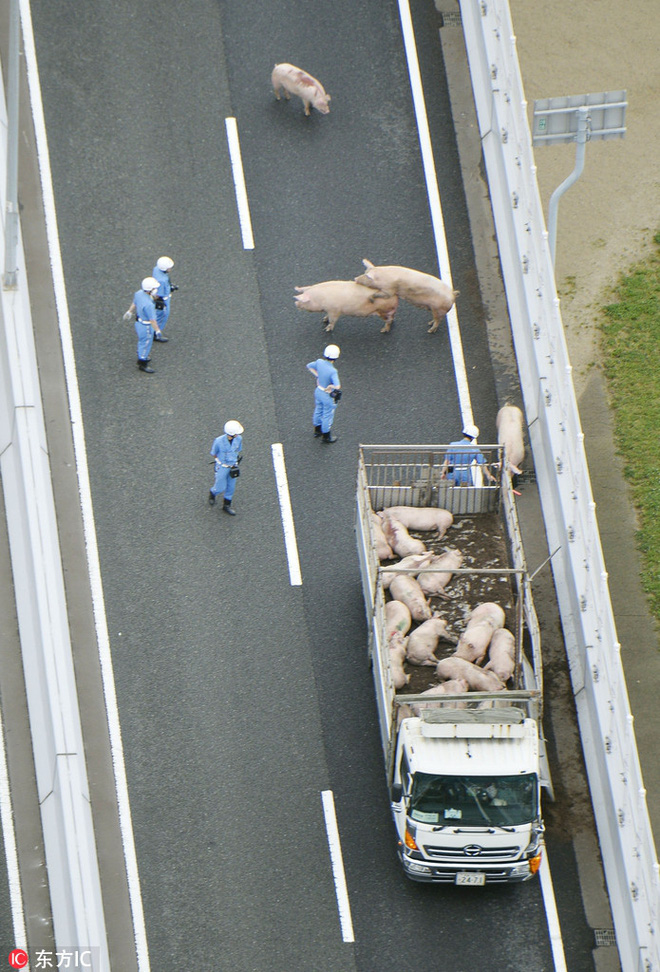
x,y
486,854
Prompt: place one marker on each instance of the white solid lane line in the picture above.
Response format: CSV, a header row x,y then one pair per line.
x,y
239,183
337,861
77,430
556,941
11,854
434,204
290,543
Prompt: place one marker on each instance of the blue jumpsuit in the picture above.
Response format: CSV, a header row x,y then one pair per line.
x,y
225,454
324,410
145,311
461,458
164,291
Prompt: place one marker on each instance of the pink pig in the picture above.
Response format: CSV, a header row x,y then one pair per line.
x,y
509,424
421,518
337,297
298,82
416,287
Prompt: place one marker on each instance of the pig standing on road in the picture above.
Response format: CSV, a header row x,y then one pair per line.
x,y
509,424
298,82
416,287
337,297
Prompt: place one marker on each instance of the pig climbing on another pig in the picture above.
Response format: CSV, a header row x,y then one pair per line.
x,y
483,621
335,298
509,424
420,289
298,82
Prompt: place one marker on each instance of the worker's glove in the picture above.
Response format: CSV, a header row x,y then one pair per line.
x,y
128,316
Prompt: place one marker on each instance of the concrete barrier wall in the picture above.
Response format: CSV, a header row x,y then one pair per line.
x,y
57,742
592,648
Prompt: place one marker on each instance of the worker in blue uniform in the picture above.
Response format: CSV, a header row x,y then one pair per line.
x,y
146,325
226,450
326,393
458,462
163,299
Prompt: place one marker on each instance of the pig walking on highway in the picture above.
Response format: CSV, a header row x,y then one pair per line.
x,y
335,298
421,289
509,424
293,80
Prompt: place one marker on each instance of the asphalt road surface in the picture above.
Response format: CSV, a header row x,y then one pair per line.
x,y
241,697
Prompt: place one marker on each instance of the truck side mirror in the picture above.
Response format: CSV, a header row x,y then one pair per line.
x,y
396,793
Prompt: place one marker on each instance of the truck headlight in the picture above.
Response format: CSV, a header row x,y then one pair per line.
x,y
419,868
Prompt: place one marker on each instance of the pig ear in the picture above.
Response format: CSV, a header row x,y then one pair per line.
x,y
368,264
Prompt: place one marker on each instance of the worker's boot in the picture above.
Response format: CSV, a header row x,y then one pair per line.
x,y
226,508
211,498
329,437
144,366
317,431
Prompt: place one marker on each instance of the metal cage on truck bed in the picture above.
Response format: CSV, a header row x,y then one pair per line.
x,y
390,475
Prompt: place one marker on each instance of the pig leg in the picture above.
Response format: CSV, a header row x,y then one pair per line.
x,y
435,323
330,320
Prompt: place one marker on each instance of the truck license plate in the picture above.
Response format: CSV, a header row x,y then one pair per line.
x,y
471,877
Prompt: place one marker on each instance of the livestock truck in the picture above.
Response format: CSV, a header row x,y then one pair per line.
x,y
464,770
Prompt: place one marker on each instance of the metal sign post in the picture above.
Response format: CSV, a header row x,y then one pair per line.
x,y
577,118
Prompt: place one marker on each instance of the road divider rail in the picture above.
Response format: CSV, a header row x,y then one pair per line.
x,y
569,511
57,742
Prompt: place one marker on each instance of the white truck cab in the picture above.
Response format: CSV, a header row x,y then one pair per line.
x,y
466,796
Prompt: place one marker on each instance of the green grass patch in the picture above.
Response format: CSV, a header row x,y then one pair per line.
x,y
630,332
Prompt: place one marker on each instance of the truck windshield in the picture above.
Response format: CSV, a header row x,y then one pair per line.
x,y
472,801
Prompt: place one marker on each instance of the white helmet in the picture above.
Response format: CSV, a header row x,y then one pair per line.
x,y
164,263
149,284
332,352
233,428
472,431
